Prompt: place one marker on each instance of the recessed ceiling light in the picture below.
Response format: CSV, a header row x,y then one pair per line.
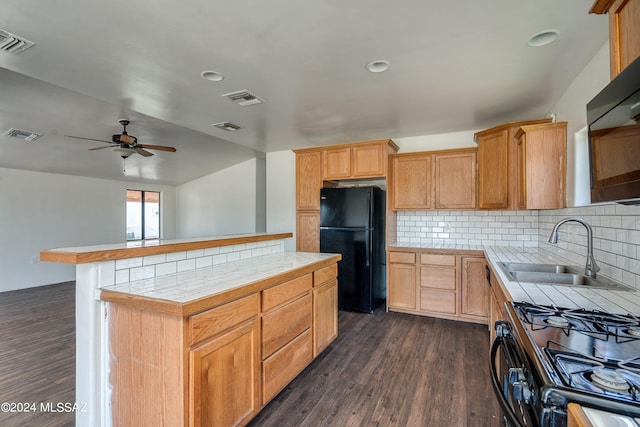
x,y
543,38
213,76
378,66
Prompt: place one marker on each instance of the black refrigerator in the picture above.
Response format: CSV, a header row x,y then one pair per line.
x,y
352,223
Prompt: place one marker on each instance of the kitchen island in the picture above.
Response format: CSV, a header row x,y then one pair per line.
x,y
154,320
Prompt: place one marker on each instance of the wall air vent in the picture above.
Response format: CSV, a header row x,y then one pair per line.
x,y
12,43
228,126
22,134
244,98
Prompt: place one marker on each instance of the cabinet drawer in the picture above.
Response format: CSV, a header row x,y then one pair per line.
x,y
283,366
282,325
325,274
438,301
438,277
438,259
218,319
286,291
402,257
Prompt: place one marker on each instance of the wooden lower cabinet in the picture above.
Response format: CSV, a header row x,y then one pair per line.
x,y
439,283
325,315
223,378
474,289
220,366
402,295
497,299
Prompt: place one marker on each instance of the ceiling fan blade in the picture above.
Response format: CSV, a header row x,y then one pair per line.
x,y
158,147
142,152
89,139
100,148
127,139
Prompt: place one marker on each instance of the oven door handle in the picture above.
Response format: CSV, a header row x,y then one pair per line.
x,y
495,379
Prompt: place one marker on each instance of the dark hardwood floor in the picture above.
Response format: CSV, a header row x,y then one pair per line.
x,y
385,369
391,369
37,355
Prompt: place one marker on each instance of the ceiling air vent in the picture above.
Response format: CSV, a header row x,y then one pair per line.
x,y
228,126
244,98
22,134
12,43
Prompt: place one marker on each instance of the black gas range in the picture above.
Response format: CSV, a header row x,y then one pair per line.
x,y
550,356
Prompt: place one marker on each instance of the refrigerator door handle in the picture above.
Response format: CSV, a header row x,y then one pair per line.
x,y
367,248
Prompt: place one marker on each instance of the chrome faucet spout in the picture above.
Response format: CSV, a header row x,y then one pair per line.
x,y
591,266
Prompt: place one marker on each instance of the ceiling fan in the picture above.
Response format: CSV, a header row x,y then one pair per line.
x,y
126,144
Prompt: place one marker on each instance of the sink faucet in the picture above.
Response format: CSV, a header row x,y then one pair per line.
x,y
591,268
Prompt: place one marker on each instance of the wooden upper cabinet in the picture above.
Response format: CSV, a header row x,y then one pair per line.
x,y
411,182
369,160
434,180
357,160
455,180
498,165
308,180
336,163
624,31
493,173
542,160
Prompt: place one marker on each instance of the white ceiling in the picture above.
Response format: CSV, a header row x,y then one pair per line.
x,y
455,65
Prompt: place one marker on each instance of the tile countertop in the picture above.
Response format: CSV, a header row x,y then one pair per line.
x,y
617,301
189,286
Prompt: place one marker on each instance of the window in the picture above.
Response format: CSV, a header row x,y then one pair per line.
x,y
143,215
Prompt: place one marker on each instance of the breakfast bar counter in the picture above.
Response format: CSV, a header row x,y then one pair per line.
x,y
174,296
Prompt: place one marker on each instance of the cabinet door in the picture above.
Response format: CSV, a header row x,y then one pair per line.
x,y
223,378
474,288
308,180
308,232
336,163
325,315
368,161
455,181
401,288
542,159
411,182
624,35
493,179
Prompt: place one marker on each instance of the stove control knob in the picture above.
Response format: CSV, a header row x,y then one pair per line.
x,y
521,391
503,329
515,375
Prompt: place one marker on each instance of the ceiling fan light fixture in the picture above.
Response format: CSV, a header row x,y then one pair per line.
x,y
543,38
124,152
378,66
212,76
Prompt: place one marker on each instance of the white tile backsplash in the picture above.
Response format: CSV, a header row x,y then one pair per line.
x,y
126,270
616,230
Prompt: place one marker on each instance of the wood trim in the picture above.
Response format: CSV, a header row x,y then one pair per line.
x,y
211,301
436,152
506,126
387,141
576,416
82,257
600,7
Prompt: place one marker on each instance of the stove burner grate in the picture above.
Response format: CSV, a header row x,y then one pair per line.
x,y
610,380
557,321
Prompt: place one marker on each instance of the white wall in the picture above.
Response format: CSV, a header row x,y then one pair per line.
x,y
218,204
572,107
442,141
44,211
281,194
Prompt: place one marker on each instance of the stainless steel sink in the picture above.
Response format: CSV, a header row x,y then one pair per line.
x,y
554,274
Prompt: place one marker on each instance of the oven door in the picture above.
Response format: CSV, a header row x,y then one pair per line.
x,y
510,378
